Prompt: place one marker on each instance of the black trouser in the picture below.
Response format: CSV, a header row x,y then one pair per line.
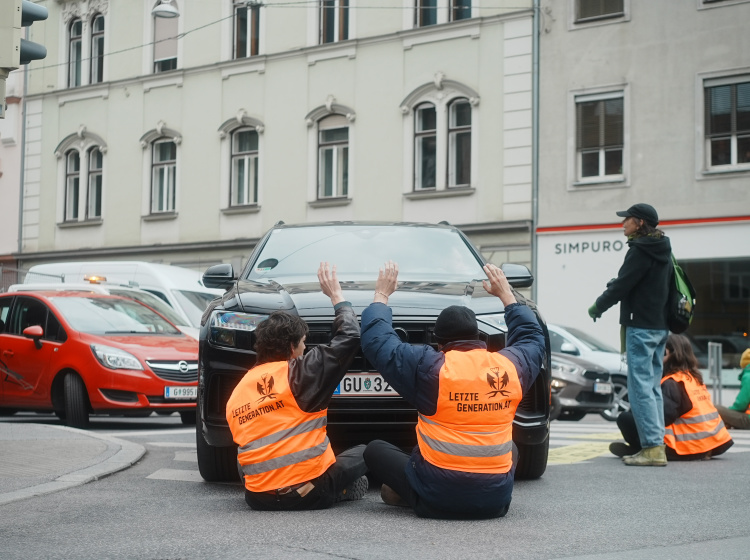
x,y
388,463
349,466
626,423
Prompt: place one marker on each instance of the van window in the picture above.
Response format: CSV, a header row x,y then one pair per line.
x,y
193,304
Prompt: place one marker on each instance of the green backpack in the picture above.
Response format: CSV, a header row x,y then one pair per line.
x,y
681,300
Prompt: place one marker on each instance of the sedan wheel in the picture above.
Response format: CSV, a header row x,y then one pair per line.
x,y
76,402
620,403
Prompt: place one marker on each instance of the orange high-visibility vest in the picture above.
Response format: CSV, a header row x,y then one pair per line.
x,y
701,429
472,429
279,444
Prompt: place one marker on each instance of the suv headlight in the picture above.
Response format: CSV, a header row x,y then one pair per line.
x,y
223,326
496,320
114,358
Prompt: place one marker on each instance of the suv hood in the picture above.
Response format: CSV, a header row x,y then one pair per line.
x,y
413,298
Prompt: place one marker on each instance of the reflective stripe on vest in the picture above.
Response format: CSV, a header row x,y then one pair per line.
x,y
699,430
278,444
471,431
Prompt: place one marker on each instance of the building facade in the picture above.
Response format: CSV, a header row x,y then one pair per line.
x,y
182,140
644,101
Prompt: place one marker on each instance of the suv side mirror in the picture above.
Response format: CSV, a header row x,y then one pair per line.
x,y
518,275
36,333
569,348
219,276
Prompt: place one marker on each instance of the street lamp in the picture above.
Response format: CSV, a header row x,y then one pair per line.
x,y
165,9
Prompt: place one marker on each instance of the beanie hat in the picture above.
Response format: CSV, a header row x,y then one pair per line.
x,y
456,323
745,359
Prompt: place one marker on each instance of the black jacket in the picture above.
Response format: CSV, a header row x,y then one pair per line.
x,y
642,284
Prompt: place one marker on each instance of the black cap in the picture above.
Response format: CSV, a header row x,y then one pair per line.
x,y
641,211
456,323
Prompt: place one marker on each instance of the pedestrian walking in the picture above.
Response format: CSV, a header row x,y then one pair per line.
x,y
642,288
694,429
464,462
278,413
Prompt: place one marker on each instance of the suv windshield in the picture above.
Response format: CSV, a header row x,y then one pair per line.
x,y
424,253
111,316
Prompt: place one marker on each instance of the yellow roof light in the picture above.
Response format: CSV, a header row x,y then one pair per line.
x,y
94,279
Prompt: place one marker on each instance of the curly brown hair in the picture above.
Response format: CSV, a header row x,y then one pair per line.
x,y
275,337
681,357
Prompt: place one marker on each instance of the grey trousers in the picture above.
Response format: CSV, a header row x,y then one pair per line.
x,y
734,418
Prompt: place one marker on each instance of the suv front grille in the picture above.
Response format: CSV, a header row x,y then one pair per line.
x,y
181,371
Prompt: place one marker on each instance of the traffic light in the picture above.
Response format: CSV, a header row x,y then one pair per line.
x,y
29,50
14,50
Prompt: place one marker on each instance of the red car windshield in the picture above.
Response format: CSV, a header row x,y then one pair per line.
x,y
95,315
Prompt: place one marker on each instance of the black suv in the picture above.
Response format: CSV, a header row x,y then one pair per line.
x,y
438,267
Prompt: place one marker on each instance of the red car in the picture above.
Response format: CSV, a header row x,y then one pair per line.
x,y
80,353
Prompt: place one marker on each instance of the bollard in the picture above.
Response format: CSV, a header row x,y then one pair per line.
x,y
714,369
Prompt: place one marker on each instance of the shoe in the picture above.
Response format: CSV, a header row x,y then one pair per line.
x,y
355,491
648,457
391,498
621,449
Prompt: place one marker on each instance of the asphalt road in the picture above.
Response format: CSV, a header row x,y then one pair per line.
x,y
587,505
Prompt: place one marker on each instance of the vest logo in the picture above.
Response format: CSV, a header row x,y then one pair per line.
x,y
265,388
497,383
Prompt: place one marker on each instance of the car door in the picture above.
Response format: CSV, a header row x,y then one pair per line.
x,y
26,376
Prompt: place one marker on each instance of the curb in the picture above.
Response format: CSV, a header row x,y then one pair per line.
x,y
127,455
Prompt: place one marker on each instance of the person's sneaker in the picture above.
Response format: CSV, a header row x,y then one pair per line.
x,y
391,498
355,491
648,457
621,449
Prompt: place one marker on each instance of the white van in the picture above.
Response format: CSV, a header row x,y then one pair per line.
x,y
181,288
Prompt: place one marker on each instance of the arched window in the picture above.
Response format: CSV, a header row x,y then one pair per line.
x,y
72,185
425,146
75,55
244,189
94,191
97,49
163,175
333,157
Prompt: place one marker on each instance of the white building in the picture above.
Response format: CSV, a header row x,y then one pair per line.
x,y
644,101
183,140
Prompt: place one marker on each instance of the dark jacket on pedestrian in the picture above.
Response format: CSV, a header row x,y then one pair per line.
x,y
642,284
414,371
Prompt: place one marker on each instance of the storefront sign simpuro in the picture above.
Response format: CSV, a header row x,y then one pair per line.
x,y
589,247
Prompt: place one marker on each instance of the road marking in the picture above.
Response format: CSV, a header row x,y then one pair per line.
x,y
171,444
576,453
186,456
176,474
152,432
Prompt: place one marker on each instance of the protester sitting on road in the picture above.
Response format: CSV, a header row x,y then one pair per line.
x,y
277,413
694,429
738,415
464,463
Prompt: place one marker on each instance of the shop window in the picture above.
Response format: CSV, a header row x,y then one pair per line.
x,y
727,126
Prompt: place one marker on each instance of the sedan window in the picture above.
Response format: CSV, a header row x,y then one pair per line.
x,y
100,315
27,313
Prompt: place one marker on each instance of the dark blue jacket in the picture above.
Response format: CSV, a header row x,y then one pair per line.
x,y
414,371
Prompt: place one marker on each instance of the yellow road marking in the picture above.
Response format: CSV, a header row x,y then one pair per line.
x,y
577,453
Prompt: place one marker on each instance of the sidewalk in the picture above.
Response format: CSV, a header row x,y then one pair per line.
x,y
38,459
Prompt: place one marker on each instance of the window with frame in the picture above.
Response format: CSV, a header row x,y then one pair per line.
x,y
97,49
94,191
600,137
246,29
72,185
163,176
165,44
425,146
727,126
432,12
460,9
333,157
592,10
334,21
75,54
459,143
244,189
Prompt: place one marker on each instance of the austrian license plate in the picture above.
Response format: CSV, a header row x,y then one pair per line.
x,y
364,385
187,393
603,388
